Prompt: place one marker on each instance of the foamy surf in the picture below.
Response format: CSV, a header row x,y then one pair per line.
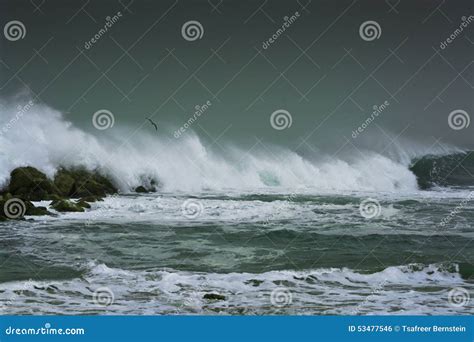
x,y
408,289
42,138
233,231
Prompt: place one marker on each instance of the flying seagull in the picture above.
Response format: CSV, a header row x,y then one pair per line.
x,y
153,123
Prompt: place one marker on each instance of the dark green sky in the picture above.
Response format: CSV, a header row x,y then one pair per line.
x,y
143,63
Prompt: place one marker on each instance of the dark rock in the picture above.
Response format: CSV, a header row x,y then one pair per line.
x,y
80,182
254,282
213,296
141,189
64,182
30,184
91,199
31,210
3,217
28,207
83,204
6,196
66,206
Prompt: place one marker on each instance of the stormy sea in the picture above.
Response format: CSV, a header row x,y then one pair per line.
x,y
198,230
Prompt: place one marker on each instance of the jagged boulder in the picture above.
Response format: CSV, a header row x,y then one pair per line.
x,y
66,206
64,182
16,208
214,296
141,189
83,204
31,184
31,210
83,183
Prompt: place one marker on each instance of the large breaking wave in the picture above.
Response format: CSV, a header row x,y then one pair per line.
x,y
42,138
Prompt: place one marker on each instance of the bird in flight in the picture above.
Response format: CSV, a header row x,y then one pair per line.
x,y
153,123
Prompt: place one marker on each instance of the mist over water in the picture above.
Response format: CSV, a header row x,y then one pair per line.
x,y
40,136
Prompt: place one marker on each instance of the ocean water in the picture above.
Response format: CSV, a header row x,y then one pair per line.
x,y
267,253
254,231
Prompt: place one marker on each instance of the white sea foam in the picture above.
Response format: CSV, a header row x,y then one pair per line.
x,y
410,289
44,139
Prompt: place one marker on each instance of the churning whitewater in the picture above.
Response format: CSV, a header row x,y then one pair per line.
x,y
42,138
259,231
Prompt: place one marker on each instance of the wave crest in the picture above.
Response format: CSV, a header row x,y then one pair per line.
x,y
43,139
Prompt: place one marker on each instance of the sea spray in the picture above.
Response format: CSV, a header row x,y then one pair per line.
x,y
186,164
